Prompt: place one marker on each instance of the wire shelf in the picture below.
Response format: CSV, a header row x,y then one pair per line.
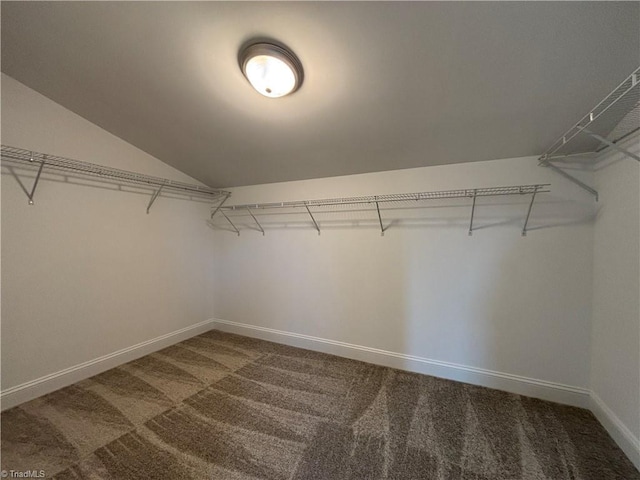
x,y
378,203
612,120
53,162
398,197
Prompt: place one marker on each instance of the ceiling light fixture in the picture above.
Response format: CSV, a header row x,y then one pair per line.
x,y
271,69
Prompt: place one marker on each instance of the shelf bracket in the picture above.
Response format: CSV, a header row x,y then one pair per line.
x,y
313,219
526,220
547,163
255,220
473,209
226,197
230,223
610,143
382,229
35,182
153,198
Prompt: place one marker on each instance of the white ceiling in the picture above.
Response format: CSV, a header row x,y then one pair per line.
x,y
387,85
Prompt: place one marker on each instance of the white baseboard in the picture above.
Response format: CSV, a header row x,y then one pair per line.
x,y
531,387
626,440
28,391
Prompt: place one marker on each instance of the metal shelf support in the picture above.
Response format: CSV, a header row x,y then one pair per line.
x,y
382,228
313,219
473,209
219,206
611,144
35,182
526,220
231,223
571,178
255,220
153,198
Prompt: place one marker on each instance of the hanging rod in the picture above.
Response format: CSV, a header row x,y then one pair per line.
x,y
53,162
613,119
377,200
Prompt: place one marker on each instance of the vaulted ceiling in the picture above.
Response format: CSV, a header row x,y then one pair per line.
x,y
387,85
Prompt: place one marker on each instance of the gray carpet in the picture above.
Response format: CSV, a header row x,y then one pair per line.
x,y
221,406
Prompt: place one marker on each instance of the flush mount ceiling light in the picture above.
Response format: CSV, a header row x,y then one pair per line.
x,y
271,69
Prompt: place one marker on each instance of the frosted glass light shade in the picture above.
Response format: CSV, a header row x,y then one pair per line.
x,y
273,71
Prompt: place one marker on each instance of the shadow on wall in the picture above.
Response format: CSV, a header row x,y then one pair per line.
x,y
536,321
499,302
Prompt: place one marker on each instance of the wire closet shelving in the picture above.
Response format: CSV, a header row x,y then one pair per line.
x,y
380,202
43,161
607,125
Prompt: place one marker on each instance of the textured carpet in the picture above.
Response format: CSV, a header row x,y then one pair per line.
x,y
221,406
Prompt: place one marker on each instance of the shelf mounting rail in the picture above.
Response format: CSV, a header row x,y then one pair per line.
x,y
100,172
612,120
378,202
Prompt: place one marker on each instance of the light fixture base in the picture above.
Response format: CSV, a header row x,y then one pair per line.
x,y
272,69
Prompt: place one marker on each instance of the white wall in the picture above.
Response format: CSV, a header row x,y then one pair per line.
x,y
85,271
615,360
510,311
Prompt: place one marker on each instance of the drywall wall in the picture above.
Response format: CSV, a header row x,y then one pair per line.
x,y
492,308
615,359
85,271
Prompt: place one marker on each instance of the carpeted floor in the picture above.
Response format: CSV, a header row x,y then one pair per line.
x,y
221,406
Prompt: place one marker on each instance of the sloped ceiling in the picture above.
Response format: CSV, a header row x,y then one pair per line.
x,y
387,85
